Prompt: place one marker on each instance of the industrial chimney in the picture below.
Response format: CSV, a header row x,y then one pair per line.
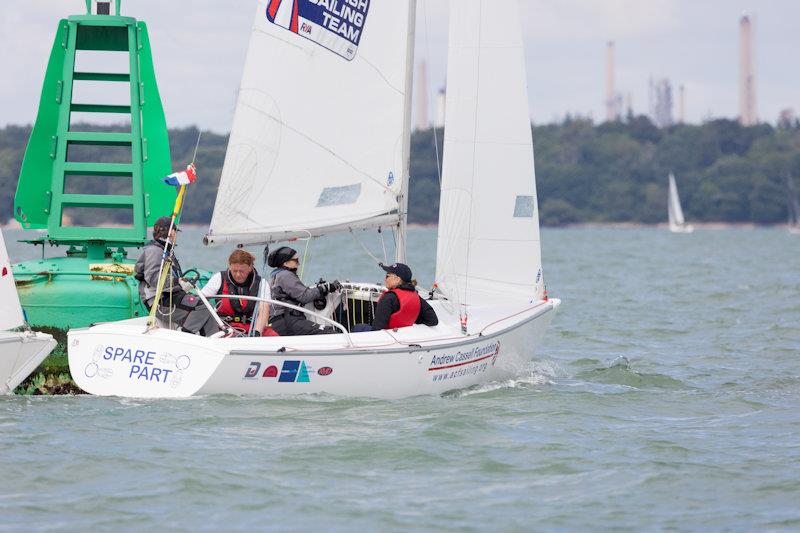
x,y
612,99
747,76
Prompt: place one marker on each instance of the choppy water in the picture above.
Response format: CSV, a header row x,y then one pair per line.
x,y
667,396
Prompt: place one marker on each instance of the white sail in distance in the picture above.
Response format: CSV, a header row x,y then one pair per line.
x,y
793,204
11,315
674,211
488,243
320,136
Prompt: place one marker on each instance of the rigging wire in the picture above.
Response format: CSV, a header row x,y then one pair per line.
x,y
428,90
383,245
366,250
463,318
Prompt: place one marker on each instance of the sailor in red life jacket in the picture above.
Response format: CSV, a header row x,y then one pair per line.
x,y
400,306
241,279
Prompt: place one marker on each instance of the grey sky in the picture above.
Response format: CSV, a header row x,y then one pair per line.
x,y
199,48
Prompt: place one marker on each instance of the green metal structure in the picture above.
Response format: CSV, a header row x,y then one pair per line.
x,y
71,291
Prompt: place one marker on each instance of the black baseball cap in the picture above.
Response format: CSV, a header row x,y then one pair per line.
x,y
163,223
398,269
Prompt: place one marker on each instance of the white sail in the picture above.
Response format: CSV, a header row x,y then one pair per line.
x,y
488,243
319,141
11,314
674,211
793,205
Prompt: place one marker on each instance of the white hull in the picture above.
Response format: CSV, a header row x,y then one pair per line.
x,y
20,354
683,228
120,359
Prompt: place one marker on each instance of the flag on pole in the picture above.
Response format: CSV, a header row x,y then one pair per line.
x,y
185,177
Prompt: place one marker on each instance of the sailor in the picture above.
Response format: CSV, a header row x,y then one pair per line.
x,y
400,306
175,306
241,279
287,287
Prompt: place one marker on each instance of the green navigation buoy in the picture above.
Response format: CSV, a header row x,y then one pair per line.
x,y
66,164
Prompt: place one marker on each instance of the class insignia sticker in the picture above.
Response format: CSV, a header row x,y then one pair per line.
x,y
290,372
333,24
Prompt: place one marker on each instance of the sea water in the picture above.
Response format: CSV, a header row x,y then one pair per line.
x,y
666,396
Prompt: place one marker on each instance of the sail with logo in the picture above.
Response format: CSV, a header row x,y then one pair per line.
x,y
320,137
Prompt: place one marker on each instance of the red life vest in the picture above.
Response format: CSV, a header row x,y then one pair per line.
x,y
237,312
409,308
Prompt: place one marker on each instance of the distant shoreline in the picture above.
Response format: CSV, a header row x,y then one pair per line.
x,y
12,224
664,225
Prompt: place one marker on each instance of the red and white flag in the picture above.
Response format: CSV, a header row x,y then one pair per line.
x,y
184,177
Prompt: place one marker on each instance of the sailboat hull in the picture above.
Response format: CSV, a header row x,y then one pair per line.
x,y
20,354
126,361
682,228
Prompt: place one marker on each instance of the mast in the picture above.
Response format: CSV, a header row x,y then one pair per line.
x,y
400,251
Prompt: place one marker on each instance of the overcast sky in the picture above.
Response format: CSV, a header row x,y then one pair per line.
x,y
199,48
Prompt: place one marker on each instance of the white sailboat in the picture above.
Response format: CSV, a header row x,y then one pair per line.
x,y
794,208
677,224
20,351
320,143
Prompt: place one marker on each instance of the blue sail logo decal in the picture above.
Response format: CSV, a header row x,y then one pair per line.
x,y
294,372
333,24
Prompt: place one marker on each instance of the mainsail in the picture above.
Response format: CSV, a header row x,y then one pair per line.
x,y
320,136
674,211
488,244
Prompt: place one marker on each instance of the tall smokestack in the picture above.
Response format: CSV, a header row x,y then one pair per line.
x,y
421,120
681,105
441,102
612,112
747,75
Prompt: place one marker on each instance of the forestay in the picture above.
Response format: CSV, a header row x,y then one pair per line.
x,y
488,244
319,141
11,315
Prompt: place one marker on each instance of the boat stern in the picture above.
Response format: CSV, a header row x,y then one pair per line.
x,y
129,360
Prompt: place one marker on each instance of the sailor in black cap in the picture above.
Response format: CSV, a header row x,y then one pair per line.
x,y
175,306
400,306
286,287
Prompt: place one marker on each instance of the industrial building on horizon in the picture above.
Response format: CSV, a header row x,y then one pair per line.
x,y
748,115
660,97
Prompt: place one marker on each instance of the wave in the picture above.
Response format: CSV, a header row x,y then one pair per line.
x,y
619,372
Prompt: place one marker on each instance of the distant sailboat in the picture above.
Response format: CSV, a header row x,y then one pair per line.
x,y
676,222
794,208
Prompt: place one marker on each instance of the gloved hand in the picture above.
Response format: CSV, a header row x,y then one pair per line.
x,y
256,333
185,285
335,285
324,287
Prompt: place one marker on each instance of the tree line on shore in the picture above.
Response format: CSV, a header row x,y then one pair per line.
x,y
611,172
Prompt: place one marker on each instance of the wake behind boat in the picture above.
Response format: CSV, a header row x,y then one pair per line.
x,y
20,351
304,163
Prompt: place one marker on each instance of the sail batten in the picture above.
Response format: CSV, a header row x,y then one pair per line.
x,y
319,138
